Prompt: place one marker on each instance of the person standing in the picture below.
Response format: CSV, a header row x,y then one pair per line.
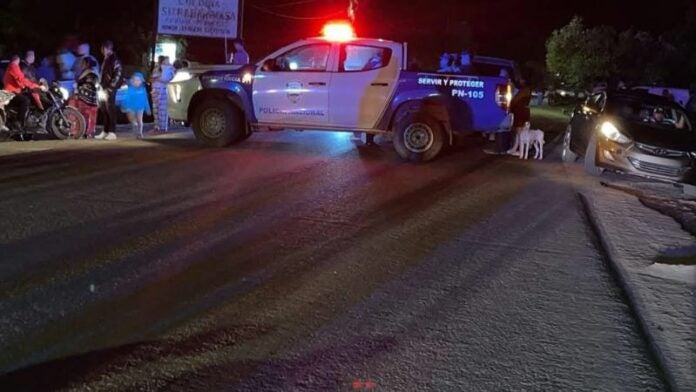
x,y
27,66
86,95
239,53
111,80
83,51
521,114
162,75
46,71
135,105
15,82
519,107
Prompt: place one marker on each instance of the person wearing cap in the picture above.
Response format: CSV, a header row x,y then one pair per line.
x,y
658,117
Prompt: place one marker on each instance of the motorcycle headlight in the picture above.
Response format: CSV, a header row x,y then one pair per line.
x,y
612,133
65,93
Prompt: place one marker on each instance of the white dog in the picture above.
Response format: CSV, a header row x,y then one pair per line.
x,y
527,138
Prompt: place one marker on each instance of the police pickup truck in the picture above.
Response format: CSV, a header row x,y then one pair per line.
x,y
339,84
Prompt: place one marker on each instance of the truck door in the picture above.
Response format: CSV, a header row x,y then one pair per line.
x,y
363,85
293,88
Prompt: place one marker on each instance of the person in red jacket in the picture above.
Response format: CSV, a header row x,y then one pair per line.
x,y
15,82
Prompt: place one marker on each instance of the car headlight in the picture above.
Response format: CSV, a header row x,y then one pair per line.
x,y
612,133
65,93
182,76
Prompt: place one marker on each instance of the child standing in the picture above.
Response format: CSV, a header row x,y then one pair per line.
x,y
86,97
135,104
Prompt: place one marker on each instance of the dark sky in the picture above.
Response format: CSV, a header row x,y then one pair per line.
x,y
509,28
514,28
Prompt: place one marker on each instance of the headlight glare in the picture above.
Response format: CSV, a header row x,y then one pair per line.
x,y
182,76
65,93
612,133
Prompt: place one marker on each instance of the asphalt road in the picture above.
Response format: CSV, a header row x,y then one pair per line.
x,y
302,262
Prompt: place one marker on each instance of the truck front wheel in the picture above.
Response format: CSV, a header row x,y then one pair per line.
x,y
418,137
217,123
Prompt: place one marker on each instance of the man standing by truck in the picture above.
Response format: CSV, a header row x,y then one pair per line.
x,y
519,108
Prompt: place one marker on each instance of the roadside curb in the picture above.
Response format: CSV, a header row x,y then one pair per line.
x,y
622,276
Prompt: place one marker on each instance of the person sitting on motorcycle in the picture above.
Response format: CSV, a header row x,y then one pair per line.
x,y
27,66
16,83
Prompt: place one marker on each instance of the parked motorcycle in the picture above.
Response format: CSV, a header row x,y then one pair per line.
x,y
57,119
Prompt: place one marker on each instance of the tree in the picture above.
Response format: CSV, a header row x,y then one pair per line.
x,y
679,60
578,56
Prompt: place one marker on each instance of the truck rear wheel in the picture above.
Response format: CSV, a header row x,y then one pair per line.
x,y
217,123
418,137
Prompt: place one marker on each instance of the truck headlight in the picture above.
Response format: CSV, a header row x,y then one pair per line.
x,y
182,76
612,133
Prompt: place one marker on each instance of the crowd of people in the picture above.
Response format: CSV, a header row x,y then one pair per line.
x,y
97,88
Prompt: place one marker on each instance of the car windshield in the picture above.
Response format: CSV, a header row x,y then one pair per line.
x,y
667,117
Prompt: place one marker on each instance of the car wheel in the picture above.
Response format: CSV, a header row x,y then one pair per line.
x,y
418,137
567,155
218,123
591,158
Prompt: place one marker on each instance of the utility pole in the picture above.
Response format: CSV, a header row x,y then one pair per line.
x,y
155,33
352,9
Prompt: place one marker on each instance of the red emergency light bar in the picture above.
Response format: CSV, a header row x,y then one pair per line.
x,y
338,31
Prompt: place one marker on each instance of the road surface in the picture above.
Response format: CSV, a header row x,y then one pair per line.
x,y
302,262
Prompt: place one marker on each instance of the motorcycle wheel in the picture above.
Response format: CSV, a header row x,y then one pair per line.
x,y
71,125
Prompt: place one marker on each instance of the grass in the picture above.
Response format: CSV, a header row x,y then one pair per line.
x,y
551,119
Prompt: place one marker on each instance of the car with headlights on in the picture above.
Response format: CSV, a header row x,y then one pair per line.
x,y
634,133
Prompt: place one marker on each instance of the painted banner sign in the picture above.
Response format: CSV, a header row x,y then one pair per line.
x,y
200,18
